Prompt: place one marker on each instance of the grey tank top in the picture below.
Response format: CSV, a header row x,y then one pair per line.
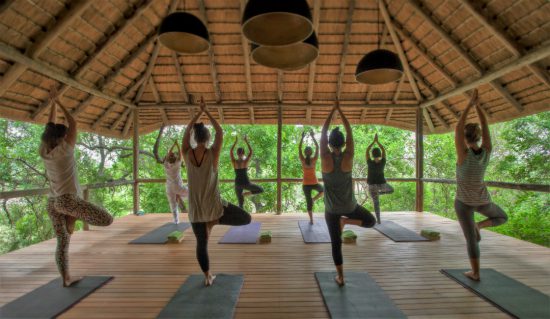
x,y
339,197
205,202
470,186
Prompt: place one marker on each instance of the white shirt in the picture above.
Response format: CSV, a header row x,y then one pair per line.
x,y
173,172
61,169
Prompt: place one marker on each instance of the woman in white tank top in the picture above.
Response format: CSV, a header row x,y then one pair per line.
x,y
206,207
65,205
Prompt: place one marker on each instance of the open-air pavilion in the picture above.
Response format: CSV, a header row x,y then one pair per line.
x,y
120,81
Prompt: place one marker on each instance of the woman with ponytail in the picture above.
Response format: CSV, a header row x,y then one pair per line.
x,y
310,181
375,176
206,207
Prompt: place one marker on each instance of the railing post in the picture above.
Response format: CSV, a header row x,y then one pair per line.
x,y
135,141
279,155
86,195
419,136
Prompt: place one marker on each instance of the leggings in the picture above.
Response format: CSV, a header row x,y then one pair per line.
x,y
465,214
232,215
240,188
70,205
307,193
173,191
333,223
375,190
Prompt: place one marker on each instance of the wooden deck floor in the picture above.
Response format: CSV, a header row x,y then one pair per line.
x,y
279,280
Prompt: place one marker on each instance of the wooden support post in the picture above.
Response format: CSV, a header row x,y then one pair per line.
x,y
86,195
279,157
135,168
419,161
313,65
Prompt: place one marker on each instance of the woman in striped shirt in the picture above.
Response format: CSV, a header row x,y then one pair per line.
x,y
471,194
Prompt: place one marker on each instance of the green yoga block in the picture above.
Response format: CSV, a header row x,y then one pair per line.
x,y
430,234
349,237
175,237
265,237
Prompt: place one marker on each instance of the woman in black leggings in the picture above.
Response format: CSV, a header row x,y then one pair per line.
x,y
240,164
206,207
340,204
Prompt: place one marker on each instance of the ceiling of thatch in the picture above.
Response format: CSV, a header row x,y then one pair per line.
x,y
108,48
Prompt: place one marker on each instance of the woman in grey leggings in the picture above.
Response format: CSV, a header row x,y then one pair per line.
x,y
471,193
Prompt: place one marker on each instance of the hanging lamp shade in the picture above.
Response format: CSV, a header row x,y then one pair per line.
x,y
183,32
277,22
287,57
379,67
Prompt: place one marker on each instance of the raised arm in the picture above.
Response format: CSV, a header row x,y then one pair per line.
x,y
325,151
367,153
485,134
316,154
218,141
232,150
176,145
300,152
350,147
186,139
380,145
72,131
157,145
250,152
460,144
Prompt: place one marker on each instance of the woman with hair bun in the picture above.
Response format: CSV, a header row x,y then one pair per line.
x,y
375,176
310,182
206,207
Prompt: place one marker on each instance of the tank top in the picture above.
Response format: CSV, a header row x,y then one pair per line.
x,y
241,176
375,173
339,197
309,175
205,202
173,172
60,169
470,185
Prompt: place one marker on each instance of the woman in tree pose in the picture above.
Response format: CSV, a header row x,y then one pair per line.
x,y
240,164
310,181
65,206
375,176
175,189
341,208
471,193
206,207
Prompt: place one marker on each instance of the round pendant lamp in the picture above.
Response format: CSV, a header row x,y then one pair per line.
x,y
276,22
183,32
379,67
287,57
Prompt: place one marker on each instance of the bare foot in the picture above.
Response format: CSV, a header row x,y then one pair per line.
x,y
209,281
71,221
478,233
339,280
470,274
67,282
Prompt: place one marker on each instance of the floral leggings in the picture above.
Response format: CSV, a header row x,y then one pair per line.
x,y
61,208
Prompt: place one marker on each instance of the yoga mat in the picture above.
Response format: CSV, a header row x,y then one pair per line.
x,y
397,232
160,235
316,233
51,299
246,234
505,293
360,297
194,300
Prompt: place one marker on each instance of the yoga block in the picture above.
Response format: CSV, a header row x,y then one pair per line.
x,y
349,237
175,237
265,237
430,234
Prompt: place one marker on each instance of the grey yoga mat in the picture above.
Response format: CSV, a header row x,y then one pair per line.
x,y
51,299
360,297
316,233
194,300
160,234
507,294
397,232
246,234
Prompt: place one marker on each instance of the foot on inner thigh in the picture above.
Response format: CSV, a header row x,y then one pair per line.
x,y
339,280
470,274
209,280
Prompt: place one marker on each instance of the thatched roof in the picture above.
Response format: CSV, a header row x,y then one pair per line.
x,y
109,48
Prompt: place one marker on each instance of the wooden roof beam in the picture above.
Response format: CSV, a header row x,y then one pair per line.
x,y
347,34
343,104
104,115
388,115
41,43
179,73
119,119
246,56
213,71
528,58
148,71
251,112
128,123
428,120
313,65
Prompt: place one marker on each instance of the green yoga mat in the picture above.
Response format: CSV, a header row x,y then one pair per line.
x,y
505,293
194,300
361,297
51,299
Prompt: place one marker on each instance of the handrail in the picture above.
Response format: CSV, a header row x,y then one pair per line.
x,y
46,191
519,186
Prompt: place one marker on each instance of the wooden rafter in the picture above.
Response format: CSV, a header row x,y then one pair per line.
x,y
148,71
432,95
154,89
251,113
364,112
347,34
119,119
388,115
313,65
246,56
213,71
179,73
428,120
128,123
326,104
104,115
398,90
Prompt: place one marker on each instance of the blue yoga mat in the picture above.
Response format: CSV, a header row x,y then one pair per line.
x,y
51,299
160,234
316,233
246,234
